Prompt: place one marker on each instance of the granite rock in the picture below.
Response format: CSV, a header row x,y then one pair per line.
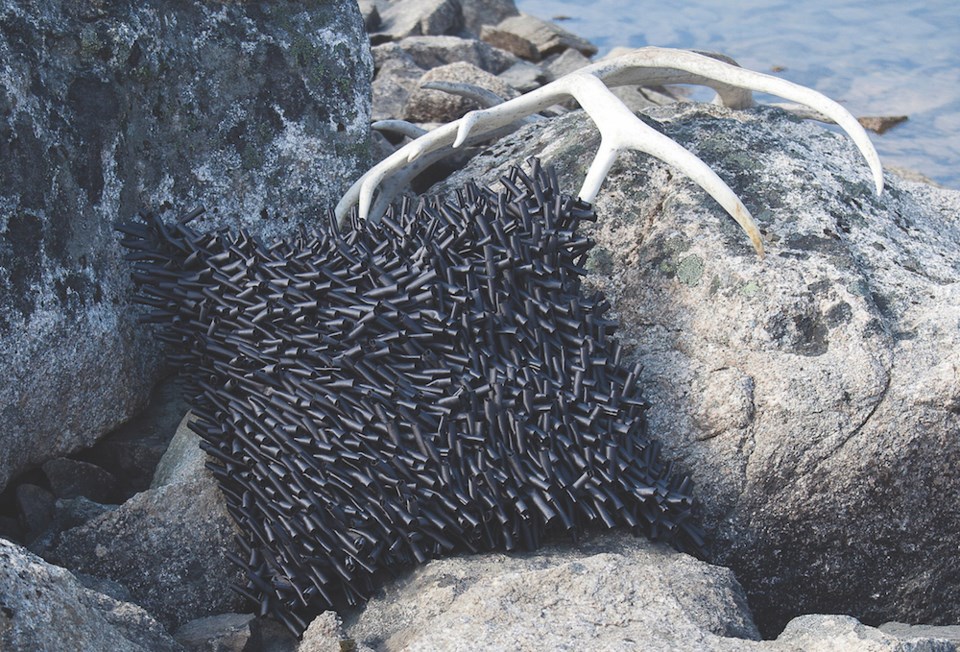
x,y
615,591
477,13
432,51
260,110
220,633
426,105
402,18
812,396
44,607
548,38
167,545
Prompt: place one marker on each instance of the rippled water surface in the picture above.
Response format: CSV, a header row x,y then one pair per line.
x,y
877,57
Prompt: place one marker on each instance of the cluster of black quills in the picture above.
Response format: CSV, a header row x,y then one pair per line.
x,y
376,396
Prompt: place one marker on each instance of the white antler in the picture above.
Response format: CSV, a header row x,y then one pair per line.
x,y
619,128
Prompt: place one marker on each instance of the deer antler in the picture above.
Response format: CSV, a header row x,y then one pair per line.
x,y
620,129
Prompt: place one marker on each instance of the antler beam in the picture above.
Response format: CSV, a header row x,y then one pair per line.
x,y
619,128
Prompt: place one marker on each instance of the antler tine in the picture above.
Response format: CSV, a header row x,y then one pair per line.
x,y
619,127
652,65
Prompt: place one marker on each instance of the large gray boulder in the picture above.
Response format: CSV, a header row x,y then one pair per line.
x,y
43,608
600,595
258,110
168,546
813,395
612,592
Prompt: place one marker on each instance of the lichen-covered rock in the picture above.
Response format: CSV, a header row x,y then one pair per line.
x,y
167,545
260,110
615,592
426,105
812,395
44,607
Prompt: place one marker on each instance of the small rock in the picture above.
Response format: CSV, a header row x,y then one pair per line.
x,y
477,13
513,43
167,545
524,76
72,478
427,105
567,62
325,634
906,632
829,633
430,52
547,37
403,18
395,81
881,124
36,507
220,633
44,607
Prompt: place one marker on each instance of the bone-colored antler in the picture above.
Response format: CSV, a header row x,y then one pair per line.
x,y
620,129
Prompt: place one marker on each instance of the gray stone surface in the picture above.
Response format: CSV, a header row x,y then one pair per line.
x,y
44,609
812,396
904,631
167,545
220,633
524,76
839,633
548,38
477,13
565,63
35,507
614,592
432,51
425,105
402,18
397,76
258,110
511,42
72,478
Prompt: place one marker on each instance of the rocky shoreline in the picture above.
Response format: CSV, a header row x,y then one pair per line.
x,y
812,397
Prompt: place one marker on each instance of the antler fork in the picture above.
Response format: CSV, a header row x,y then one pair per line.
x,y
619,128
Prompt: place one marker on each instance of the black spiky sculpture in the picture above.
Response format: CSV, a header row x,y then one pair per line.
x,y
375,397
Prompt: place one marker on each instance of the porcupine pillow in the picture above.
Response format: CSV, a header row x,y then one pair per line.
x,y
373,397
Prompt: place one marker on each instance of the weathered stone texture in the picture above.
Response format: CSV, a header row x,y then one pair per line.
x,y
812,395
258,110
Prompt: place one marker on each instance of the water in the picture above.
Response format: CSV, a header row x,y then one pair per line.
x,y
877,57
